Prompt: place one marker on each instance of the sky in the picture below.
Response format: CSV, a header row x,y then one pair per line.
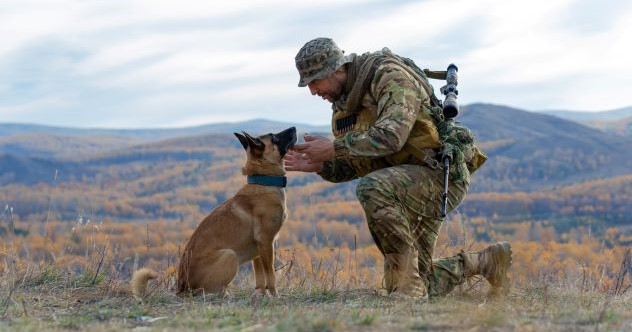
x,y
158,63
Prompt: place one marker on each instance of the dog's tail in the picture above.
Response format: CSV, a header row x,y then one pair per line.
x,y
138,285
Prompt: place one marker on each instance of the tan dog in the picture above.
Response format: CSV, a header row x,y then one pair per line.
x,y
241,229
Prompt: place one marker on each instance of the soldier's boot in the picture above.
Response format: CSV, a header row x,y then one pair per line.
x,y
492,263
389,281
401,276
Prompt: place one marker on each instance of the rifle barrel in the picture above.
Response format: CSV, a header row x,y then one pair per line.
x,y
446,178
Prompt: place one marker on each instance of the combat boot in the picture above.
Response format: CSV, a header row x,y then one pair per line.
x,y
401,276
388,281
492,263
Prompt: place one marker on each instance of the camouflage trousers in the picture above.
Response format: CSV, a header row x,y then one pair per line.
x,y
403,211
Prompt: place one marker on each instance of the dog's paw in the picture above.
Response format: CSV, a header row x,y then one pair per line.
x,y
272,292
259,292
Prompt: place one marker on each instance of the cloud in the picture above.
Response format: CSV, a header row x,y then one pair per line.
x,y
160,63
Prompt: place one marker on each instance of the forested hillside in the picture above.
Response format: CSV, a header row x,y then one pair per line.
x,y
256,125
540,169
531,151
617,121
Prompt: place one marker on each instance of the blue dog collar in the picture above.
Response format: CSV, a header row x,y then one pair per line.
x,y
268,180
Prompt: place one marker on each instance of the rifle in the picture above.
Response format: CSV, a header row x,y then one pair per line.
x,y
450,111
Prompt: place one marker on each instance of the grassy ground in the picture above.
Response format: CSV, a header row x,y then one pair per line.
x,y
333,291
53,301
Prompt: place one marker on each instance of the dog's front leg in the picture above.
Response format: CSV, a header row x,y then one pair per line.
x,y
266,253
260,278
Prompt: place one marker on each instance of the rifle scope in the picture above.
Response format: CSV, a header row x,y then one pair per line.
x,y
450,104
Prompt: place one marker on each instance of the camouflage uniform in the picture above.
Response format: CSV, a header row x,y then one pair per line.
x,y
401,199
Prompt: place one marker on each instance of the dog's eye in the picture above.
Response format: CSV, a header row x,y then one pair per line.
x,y
275,139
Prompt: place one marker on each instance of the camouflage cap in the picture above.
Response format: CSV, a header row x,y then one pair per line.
x,y
319,58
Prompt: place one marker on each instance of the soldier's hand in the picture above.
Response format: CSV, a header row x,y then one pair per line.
x,y
316,148
298,162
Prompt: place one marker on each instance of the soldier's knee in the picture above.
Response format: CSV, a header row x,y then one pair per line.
x,y
367,188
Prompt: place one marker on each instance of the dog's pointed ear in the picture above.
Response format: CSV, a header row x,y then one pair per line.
x,y
254,142
243,140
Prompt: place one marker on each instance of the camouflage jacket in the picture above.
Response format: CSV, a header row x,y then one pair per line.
x,y
394,102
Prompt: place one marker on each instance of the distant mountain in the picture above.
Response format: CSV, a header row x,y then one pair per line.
x,y
620,126
202,148
495,122
529,151
256,126
34,166
32,170
47,145
616,121
540,167
592,116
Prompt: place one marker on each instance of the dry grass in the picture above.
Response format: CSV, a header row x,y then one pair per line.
x,y
47,284
51,297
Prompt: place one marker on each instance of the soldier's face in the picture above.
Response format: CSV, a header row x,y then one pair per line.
x,y
329,88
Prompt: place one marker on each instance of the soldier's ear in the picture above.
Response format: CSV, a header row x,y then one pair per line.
x,y
243,140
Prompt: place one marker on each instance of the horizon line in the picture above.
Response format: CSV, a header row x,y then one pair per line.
x,y
279,121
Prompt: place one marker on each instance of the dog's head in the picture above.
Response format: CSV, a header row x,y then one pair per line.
x,y
265,153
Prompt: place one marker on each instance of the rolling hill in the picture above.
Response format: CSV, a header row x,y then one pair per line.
x,y
617,121
530,151
536,164
49,145
611,115
255,126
